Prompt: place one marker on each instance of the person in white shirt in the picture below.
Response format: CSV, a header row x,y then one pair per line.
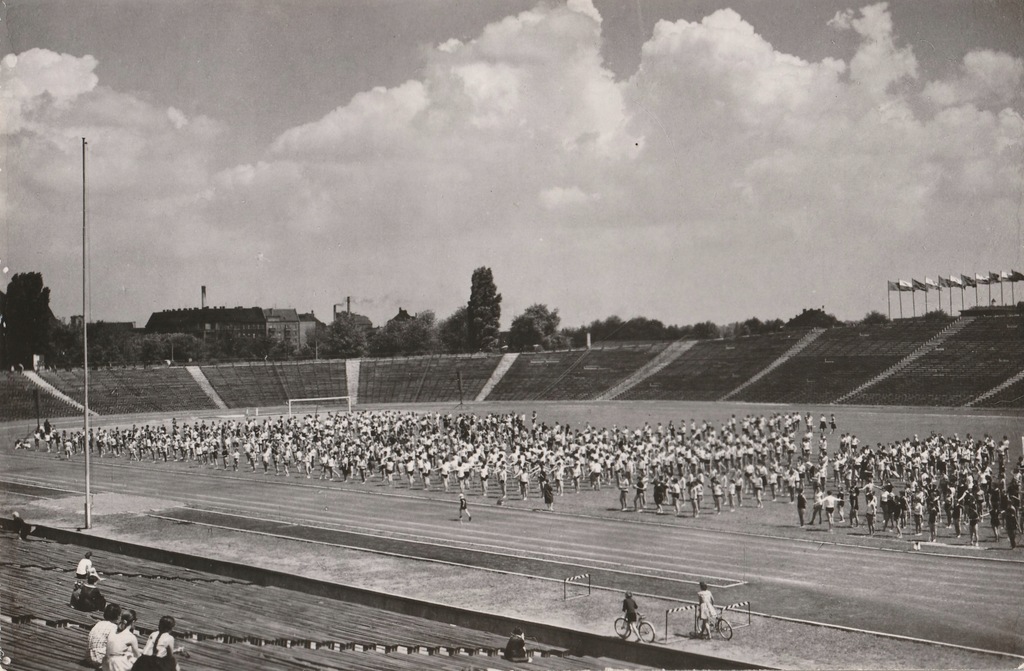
x,y
85,568
100,632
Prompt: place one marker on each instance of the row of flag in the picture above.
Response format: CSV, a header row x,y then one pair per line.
x,y
957,281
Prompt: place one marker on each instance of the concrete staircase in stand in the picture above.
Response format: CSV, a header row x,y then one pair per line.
x,y
995,390
499,372
925,347
53,391
352,380
197,374
808,338
667,356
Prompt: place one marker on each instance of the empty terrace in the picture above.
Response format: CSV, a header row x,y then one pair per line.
x,y
984,354
838,361
712,368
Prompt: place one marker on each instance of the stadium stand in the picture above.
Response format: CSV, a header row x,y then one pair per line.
x,y
426,378
248,385
115,391
599,370
983,354
838,361
914,362
18,400
713,368
313,379
533,373
1007,395
281,629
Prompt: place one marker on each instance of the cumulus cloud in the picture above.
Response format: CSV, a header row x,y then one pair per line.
x,y
723,176
879,63
558,196
38,77
985,77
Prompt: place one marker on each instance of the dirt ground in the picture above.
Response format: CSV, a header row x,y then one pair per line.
x,y
768,641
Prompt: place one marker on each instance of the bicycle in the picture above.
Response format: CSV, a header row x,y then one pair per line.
x,y
720,625
644,629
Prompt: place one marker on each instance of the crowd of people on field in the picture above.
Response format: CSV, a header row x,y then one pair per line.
x,y
910,485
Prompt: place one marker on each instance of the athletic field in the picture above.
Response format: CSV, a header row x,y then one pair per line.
x,y
844,579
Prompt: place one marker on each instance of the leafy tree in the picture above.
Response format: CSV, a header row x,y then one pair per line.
x,y
406,337
26,319
706,331
453,332
345,338
813,318
936,316
483,313
873,318
65,346
537,325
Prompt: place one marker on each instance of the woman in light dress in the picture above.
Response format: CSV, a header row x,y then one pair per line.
x,y
122,645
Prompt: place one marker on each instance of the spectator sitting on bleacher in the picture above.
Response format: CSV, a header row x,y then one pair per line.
x,y
88,597
515,649
122,645
100,632
21,527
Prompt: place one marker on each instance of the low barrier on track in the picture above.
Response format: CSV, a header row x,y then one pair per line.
x,y
577,582
737,607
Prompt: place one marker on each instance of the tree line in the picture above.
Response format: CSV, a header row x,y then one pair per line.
x,y
28,327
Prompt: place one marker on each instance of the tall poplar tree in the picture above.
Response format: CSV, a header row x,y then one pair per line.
x,y
483,314
26,319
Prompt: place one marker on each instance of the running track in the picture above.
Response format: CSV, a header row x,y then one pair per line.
x,y
921,595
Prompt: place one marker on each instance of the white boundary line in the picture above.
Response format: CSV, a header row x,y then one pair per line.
x,y
416,542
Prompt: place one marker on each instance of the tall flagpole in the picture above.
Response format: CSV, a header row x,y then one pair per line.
x,y
85,355
888,300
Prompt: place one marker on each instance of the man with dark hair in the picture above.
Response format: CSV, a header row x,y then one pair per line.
x,y
100,632
88,597
515,649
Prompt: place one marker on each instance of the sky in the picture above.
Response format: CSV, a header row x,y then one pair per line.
x,y
677,160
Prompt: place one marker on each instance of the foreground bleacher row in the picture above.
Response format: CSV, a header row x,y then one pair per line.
x,y
281,629
976,361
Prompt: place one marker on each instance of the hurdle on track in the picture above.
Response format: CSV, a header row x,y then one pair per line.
x,y
575,580
738,607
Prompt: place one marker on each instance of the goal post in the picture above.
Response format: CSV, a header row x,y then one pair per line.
x,y
320,404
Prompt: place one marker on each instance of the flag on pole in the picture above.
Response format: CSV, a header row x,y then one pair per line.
x,y
981,280
930,283
905,285
1016,276
894,286
919,286
994,278
969,281
956,281
944,283
1005,276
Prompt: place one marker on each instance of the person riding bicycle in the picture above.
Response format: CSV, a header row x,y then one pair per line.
x,y
629,607
706,610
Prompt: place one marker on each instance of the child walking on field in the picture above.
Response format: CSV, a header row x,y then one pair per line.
x,y
464,508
